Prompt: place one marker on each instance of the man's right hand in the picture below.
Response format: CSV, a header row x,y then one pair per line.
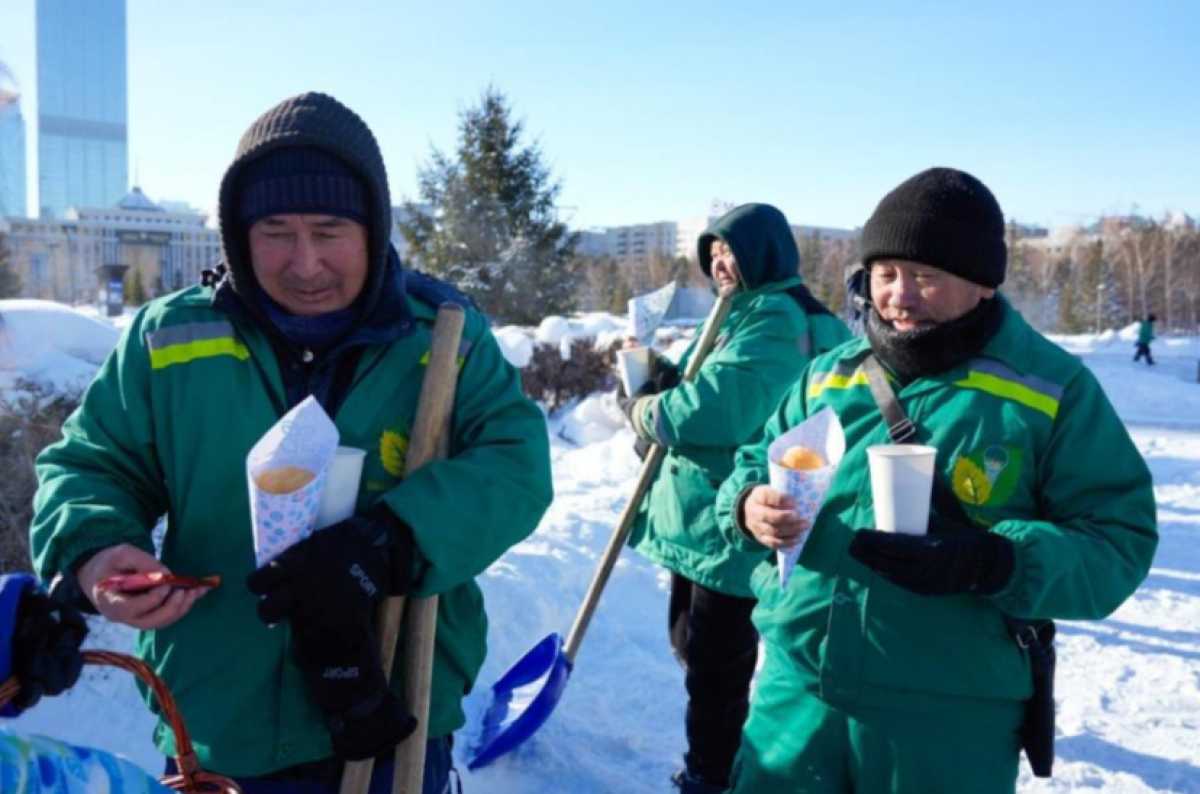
x,y
769,515
155,608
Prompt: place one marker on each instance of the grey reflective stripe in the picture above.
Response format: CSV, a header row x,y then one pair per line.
x,y
843,367
1032,382
188,332
804,345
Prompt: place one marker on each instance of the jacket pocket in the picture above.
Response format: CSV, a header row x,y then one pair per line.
x,y
682,507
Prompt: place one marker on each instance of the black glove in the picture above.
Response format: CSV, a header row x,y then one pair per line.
x,y
344,675
45,646
328,585
663,375
937,564
339,573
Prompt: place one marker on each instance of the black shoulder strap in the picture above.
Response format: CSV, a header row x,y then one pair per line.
x,y
945,503
903,431
899,426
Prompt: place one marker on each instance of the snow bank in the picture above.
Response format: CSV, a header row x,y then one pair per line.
x,y
51,343
1128,688
516,344
596,418
604,328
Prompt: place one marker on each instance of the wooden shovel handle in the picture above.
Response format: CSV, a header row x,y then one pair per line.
x,y
430,439
708,338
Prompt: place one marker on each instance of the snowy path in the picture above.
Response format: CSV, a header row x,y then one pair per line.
x,y
1128,688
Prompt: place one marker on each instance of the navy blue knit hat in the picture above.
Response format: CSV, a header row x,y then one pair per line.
x,y
300,179
941,217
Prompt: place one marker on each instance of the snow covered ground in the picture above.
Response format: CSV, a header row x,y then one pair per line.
x,y
1128,688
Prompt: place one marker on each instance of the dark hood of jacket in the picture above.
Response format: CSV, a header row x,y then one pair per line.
x,y
317,120
764,248
761,240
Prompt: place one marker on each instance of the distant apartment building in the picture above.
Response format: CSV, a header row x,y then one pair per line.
x,y
629,244
671,239
687,234
1059,242
61,258
82,110
12,149
824,232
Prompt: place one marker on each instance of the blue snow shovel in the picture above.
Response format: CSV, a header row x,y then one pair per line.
x,y
526,695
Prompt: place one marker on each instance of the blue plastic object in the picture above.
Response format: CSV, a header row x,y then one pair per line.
x,y
522,700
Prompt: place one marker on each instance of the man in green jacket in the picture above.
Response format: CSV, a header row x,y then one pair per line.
x,y
312,301
1145,337
773,328
889,666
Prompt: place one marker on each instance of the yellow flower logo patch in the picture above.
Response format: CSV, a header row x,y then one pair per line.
x,y
988,476
393,449
971,485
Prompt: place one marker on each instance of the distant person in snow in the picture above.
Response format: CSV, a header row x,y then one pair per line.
x,y
773,328
1145,337
916,663
312,300
39,647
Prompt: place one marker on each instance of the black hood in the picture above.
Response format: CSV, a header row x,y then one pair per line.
x,y
761,241
320,121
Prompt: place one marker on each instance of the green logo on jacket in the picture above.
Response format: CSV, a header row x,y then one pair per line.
x,y
987,477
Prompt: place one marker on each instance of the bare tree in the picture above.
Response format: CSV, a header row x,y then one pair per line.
x,y
1176,233
1136,245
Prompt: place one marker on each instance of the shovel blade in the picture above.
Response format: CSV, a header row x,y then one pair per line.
x,y
522,700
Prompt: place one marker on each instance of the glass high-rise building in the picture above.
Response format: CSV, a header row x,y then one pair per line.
x,y
12,151
83,148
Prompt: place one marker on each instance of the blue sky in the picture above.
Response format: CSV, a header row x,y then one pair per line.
x,y
649,111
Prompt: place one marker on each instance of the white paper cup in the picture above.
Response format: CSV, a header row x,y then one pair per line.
x,y
901,485
633,365
341,488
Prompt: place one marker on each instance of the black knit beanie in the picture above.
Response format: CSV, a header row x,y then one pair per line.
x,y
301,179
940,217
309,122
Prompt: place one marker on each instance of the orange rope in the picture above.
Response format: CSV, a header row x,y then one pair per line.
x,y
191,778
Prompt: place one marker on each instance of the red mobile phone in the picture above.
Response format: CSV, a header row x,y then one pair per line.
x,y
140,582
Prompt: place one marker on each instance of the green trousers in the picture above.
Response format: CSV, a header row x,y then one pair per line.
x,y
796,743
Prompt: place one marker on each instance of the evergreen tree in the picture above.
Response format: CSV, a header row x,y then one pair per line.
x,y
10,282
492,227
1091,286
1072,314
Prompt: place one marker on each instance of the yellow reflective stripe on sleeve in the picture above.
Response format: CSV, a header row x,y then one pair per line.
x,y
1010,390
424,362
464,347
201,348
835,380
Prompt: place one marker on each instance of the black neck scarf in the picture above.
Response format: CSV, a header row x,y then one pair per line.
x,y
927,351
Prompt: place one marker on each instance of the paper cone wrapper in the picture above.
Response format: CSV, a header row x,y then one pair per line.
x,y
305,438
821,432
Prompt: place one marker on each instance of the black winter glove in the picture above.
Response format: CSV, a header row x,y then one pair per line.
x,y
329,585
339,573
45,646
663,375
344,676
937,564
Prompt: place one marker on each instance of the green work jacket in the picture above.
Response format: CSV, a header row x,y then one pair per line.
x,y
164,429
761,349
1032,449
